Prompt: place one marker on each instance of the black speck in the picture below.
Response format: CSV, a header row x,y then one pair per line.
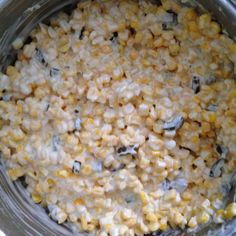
x,y
47,107
219,149
121,149
76,111
132,30
22,181
54,72
40,56
81,36
194,166
76,167
121,166
4,90
196,86
114,37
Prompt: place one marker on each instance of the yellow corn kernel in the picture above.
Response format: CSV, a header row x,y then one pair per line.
x,y
156,153
163,225
166,5
36,198
26,156
19,148
88,121
190,15
170,195
131,222
151,217
133,55
78,201
79,148
84,223
11,70
86,170
195,139
187,196
154,227
192,222
232,48
215,28
50,181
78,44
230,211
58,122
210,117
138,37
144,197
220,213
174,49
172,65
121,27
64,47
159,42
90,227
62,173
107,227
144,162
145,62
15,173
204,21
178,218
19,108
192,26
134,24
203,218
17,135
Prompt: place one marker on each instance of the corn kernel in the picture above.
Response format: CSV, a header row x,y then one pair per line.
x,y
192,26
214,28
144,197
203,218
204,21
131,222
50,182
78,201
138,37
192,222
174,49
84,223
62,173
163,226
230,211
156,153
190,15
172,65
86,170
11,70
187,196
36,198
64,47
15,173
151,217
232,47
133,55
154,227
220,213
90,227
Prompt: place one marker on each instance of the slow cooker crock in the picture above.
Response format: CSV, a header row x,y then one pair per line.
x,y
18,214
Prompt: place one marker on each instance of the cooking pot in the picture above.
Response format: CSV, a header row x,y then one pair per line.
x,y
18,214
